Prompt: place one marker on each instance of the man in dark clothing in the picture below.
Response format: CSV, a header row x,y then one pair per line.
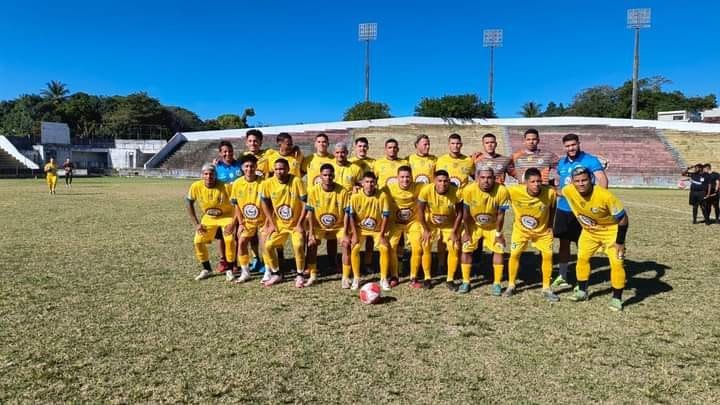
x,y
712,198
699,189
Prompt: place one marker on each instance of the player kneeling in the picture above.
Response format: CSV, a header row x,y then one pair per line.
x,y
605,224
212,197
326,209
245,196
484,205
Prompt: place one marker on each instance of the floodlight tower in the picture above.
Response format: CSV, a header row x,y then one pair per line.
x,y
637,18
492,39
367,32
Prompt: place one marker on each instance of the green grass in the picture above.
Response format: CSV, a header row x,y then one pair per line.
x,y
98,303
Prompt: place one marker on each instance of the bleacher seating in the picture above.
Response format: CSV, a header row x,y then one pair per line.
x,y
696,147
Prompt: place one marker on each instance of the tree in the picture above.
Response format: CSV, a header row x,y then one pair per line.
x,y
531,109
55,91
554,110
455,106
83,114
367,110
135,115
230,121
179,119
598,101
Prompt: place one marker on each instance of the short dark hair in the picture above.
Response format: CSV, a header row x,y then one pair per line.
x,y
392,140
441,173
248,158
531,131
256,133
283,136
225,143
322,135
404,168
533,171
455,136
362,139
369,175
326,166
570,137
488,135
580,170
708,165
282,161
421,137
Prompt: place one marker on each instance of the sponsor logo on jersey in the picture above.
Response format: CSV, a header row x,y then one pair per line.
x,y
587,221
438,219
391,180
529,222
368,223
251,211
213,212
422,179
483,219
284,212
455,181
328,220
403,215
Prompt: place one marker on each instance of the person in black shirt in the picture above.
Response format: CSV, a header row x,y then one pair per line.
x,y
711,199
68,166
699,189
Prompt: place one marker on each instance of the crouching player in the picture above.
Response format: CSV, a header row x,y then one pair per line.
x,y
249,216
369,218
283,202
326,209
403,204
485,203
605,224
439,204
214,202
534,207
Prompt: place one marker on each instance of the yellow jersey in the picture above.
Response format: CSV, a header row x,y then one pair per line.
x,y
386,170
484,206
246,195
328,207
403,203
440,209
311,166
50,169
213,201
423,168
366,164
347,175
532,214
287,199
460,169
369,210
295,162
263,164
599,211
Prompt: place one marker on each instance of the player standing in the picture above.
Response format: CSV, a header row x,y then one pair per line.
x,y
500,164
347,174
68,166
311,164
422,162
387,166
249,216
50,170
532,156
460,167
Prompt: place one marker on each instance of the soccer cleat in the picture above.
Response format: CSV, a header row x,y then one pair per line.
x,y
345,283
394,282
310,281
451,286
559,282
203,275
415,284
385,285
578,295
229,276
616,304
274,279
510,291
549,295
427,285
464,288
496,290
355,284
299,281
244,276
222,266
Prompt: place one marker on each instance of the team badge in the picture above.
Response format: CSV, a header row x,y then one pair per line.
x,y
328,220
587,221
438,219
403,215
251,211
368,223
483,219
392,180
595,210
284,212
213,212
529,222
423,179
259,173
455,181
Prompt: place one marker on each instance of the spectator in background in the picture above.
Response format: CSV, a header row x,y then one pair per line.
x,y
68,166
711,200
699,188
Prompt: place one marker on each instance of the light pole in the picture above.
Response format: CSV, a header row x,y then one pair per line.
x,y
367,32
637,18
492,39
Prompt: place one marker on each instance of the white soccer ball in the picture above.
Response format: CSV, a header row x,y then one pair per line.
x,y
370,293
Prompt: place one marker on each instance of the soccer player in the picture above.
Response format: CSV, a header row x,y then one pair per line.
x,y
68,166
440,217
386,167
605,225
369,218
227,170
484,204
253,143
533,206
288,151
50,170
566,227
249,216
699,188
458,166
711,199
500,164
422,162
348,175
361,157
403,205
283,202
214,202
532,156
326,209
311,164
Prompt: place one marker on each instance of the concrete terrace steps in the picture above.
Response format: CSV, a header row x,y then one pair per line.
x,y
696,147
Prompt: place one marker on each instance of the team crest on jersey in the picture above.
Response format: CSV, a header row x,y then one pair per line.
x,y
213,212
251,211
595,210
422,179
392,180
529,222
483,219
438,219
259,173
587,221
284,212
403,215
328,220
368,223
455,181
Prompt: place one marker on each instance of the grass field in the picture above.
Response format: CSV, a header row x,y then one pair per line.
x,y
98,303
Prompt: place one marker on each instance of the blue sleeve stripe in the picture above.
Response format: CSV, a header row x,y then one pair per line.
x,y
386,214
303,198
619,215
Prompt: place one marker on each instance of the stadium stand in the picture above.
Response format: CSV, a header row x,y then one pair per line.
x,y
696,147
12,162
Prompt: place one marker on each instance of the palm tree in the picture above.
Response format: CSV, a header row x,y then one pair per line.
x,y
249,112
531,109
55,91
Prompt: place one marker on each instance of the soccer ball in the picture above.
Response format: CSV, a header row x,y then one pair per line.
x,y
370,293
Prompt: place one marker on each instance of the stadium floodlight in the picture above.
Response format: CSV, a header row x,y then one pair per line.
x,y
492,39
637,18
367,32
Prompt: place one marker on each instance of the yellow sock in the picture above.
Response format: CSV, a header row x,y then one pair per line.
x,y
244,261
415,259
427,262
582,269
313,269
466,270
452,262
384,261
355,260
497,273
546,270
346,268
513,267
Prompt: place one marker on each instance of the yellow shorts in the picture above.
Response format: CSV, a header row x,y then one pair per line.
x,y
398,230
591,242
520,239
51,179
252,228
211,225
328,234
280,236
442,234
369,234
488,238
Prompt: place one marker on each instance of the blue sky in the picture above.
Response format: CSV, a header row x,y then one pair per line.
x,y
300,61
